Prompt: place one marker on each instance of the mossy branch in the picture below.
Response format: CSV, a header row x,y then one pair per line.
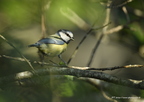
x,y
59,70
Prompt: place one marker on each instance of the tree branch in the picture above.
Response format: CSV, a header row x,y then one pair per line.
x,y
74,72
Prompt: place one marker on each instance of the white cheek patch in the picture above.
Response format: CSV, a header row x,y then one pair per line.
x,y
64,36
70,34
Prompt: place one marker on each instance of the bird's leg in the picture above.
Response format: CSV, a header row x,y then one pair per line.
x,y
53,62
62,60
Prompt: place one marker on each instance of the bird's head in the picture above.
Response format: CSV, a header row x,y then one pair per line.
x,y
65,35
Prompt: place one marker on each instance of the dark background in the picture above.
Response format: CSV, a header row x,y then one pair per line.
x,y
20,24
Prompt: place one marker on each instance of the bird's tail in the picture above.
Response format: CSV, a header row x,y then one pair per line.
x,y
33,45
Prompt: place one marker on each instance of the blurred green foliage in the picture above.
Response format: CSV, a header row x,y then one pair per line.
x,y
20,23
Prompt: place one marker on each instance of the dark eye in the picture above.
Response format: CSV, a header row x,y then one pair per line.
x,y
66,33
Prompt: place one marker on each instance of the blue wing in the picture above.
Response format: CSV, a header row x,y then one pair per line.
x,y
55,40
52,41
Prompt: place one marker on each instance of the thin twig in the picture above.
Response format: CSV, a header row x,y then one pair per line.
x,y
120,5
97,83
43,26
76,50
17,51
126,13
86,35
45,5
114,29
76,67
116,67
23,60
72,16
100,38
94,50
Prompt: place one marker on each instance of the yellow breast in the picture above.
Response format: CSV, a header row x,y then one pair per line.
x,y
52,49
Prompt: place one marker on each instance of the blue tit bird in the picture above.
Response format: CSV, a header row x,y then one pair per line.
x,y
55,44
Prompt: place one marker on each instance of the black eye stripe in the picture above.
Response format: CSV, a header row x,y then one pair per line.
x,y
68,35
